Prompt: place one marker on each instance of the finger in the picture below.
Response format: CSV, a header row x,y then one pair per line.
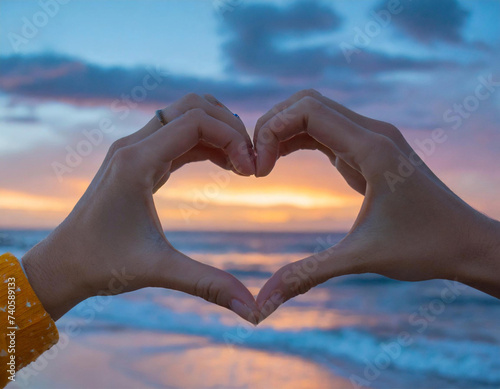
x,y
211,106
299,277
162,181
206,153
353,178
197,154
377,126
200,153
343,137
208,103
304,142
184,274
170,113
213,100
281,106
184,133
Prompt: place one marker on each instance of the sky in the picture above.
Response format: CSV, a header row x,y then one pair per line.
x,y
67,66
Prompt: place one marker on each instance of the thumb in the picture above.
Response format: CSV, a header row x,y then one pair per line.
x,y
299,277
184,274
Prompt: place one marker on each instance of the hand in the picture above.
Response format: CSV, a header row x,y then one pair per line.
x,y
410,227
113,241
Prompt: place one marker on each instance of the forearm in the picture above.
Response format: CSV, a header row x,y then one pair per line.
x,y
479,267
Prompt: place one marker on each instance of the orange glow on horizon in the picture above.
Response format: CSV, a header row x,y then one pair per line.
x,y
11,200
263,197
267,207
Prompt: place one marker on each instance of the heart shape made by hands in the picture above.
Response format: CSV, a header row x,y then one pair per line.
x,y
372,156
376,161
266,149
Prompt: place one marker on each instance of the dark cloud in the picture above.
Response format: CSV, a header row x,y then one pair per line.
x,y
430,21
257,44
261,20
50,77
54,77
257,33
371,62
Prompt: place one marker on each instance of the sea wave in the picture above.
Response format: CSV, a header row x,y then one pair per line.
x,y
471,360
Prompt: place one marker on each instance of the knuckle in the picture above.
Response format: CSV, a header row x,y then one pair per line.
x,y
391,131
195,114
117,145
207,289
202,288
124,157
260,123
191,99
297,278
384,146
308,92
376,153
279,107
311,103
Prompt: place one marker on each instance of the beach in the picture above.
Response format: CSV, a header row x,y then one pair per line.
x,y
354,331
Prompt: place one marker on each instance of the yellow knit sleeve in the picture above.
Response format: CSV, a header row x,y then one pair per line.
x,y
27,329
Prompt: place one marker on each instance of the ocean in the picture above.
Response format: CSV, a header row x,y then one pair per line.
x,y
351,332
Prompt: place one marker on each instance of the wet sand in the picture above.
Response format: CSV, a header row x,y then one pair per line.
x,y
129,359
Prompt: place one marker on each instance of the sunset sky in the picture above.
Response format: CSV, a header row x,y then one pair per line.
x,y
65,69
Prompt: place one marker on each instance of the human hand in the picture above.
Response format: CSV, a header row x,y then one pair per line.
x,y
113,241
410,227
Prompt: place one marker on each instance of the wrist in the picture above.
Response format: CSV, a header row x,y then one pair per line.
x,y
52,277
479,265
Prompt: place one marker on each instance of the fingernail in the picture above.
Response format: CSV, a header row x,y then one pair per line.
x,y
243,311
218,103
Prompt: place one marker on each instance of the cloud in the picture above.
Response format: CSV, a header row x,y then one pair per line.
x,y
48,77
371,62
298,17
429,21
259,37
55,77
257,32
31,80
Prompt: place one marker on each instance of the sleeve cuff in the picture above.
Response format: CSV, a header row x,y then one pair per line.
x,y
35,330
